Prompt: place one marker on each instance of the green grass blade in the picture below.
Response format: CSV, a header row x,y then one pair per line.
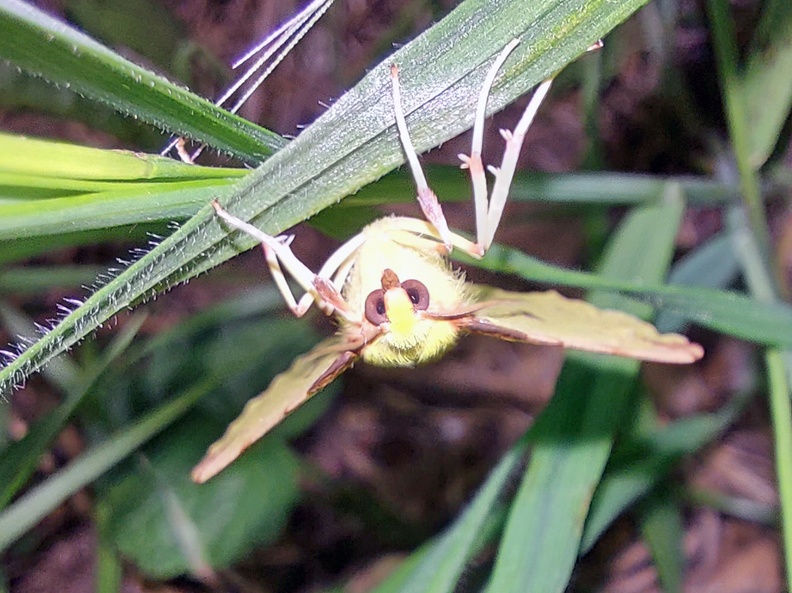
x,y
437,568
355,142
40,501
128,204
43,46
109,572
628,478
756,271
766,84
34,157
781,411
595,188
662,528
740,127
574,435
20,459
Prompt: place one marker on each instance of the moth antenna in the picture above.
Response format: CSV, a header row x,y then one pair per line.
x,y
292,23
273,49
295,30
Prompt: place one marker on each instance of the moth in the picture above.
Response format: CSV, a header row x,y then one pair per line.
x,y
399,302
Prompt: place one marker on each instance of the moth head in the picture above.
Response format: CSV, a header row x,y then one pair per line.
x,y
399,304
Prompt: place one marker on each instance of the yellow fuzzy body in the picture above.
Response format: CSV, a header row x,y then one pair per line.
x,y
408,340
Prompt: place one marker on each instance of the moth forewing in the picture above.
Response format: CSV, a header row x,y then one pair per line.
x,y
308,374
551,318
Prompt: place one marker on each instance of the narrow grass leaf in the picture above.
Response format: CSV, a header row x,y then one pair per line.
x,y
639,463
765,83
41,45
661,527
595,188
121,206
574,434
109,572
37,158
437,567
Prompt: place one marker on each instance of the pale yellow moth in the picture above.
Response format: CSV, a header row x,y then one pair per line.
x,y
399,302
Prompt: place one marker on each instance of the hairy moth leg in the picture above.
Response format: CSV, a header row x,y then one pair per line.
x,y
318,287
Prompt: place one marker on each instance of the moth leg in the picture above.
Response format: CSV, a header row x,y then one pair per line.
x,y
489,209
504,175
278,253
473,161
426,197
421,235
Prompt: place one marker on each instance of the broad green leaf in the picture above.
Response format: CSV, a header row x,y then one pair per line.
x,y
43,499
41,45
170,526
550,318
197,529
355,142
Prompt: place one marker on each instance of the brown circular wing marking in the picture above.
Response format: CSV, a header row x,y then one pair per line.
x,y
418,293
375,307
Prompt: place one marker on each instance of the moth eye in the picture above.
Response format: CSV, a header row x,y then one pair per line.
x,y
375,307
418,293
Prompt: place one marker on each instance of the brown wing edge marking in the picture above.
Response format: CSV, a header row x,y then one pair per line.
x,y
485,327
340,364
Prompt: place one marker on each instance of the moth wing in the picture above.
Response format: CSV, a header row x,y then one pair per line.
x,y
551,318
307,375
